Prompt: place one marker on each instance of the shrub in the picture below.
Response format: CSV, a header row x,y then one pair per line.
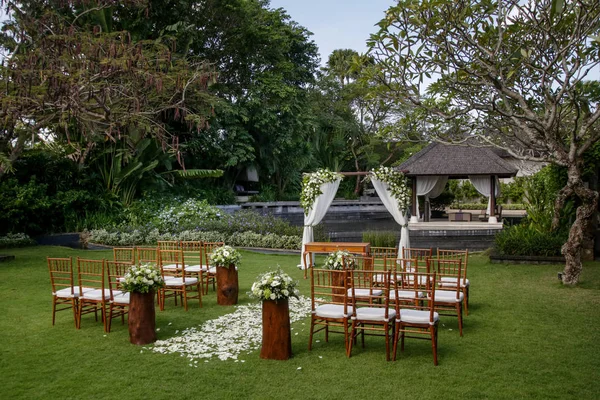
x,y
525,240
15,240
381,238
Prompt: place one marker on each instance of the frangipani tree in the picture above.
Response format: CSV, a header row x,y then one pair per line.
x,y
514,74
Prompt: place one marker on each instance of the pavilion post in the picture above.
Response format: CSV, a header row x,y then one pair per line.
x,y
492,219
413,208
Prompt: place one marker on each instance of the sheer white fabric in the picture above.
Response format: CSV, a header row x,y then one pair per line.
x,y
391,204
483,185
425,184
316,214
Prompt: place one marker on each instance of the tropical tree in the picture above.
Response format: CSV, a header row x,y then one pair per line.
x,y
511,73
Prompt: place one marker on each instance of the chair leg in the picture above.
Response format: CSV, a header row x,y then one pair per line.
x,y
75,306
110,317
310,334
433,330
387,341
185,299
460,320
349,350
54,311
465,293
78,324
396,333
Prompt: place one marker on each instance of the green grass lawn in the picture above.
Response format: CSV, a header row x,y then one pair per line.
x,y
526,337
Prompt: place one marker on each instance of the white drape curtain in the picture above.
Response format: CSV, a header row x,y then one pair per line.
x,y
483,185
316,214
430,187
391,204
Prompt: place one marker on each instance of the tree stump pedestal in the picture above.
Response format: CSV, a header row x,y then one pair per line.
x,y
227,285
142,318
276,332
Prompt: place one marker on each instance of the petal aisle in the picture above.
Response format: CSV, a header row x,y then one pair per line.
x,y
229,335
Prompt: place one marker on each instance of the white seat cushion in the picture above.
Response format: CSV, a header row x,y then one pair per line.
x,y
332,311
373,314
417,317
192,268
96,294
66,292
406,294
365,292
171,267
179,281
212,270
449,281
121,298
448,296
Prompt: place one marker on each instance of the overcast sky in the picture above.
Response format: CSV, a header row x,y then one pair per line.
x,y
337,24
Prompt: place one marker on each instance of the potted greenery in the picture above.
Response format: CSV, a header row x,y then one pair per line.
x,y
226,259
274,289
141,282
339,260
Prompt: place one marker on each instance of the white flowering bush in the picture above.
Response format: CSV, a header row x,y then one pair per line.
x,y
225,256
336,260
16,240
142,279
274,285
311,186
397,185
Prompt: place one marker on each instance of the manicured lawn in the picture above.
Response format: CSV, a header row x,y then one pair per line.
x,y
526,337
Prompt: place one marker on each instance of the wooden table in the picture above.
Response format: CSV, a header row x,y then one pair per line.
x,y
329,247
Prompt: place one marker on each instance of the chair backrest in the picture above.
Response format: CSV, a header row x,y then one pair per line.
x,y
116,270
422,284
361,263
329,286
91,273
193,251
448,269
124,254
419,254
208,249
462,255
61,274
172,257
380,254
168,244
147,255
370,286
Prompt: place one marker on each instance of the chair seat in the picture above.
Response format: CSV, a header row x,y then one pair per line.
x,y
212,270
365,292
121,298
96,294
193,268
171,267
417,317
332,311
448,296
406,294
66,292
449,281
375,314
179,281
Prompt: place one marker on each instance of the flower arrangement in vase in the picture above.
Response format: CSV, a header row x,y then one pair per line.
x,y
226,260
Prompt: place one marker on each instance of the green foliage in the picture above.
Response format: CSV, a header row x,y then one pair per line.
x,y
513,191
442,201
463,191
15,240
525,240
381,238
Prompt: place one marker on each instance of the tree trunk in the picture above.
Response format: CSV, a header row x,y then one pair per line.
x,y
572,249
276,332
227,286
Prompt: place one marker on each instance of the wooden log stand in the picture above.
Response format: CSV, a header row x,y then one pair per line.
x,y
142,321
276,333
227,286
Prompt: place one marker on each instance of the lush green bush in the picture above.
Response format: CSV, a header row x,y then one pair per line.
x,y
525,240
513,191
15,240
381,238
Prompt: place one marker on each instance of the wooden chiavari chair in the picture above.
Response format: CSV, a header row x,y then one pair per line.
x,y
449,299
418,319
330,307
376,318
119,300
380,254
193,252
91,275
147,255
64,292
177,282
168,244
465,284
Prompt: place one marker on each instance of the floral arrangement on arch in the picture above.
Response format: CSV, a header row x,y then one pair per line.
x,y
397,184
142,279
274,285
339,260
225,256
311,186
